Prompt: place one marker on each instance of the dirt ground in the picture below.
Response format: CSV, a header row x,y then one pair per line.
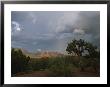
x,y
45,74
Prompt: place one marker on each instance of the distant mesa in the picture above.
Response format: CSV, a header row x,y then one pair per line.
x,y
40,54
47,54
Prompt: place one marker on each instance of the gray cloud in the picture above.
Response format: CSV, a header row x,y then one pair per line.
x,y
53,30
86,25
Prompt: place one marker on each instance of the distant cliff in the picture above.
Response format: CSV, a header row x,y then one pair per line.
x,y
42,54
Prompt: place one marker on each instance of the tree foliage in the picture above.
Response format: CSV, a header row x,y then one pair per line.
x,y
78,47
18,61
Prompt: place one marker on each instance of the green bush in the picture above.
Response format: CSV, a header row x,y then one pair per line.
x,y
61,67
19,61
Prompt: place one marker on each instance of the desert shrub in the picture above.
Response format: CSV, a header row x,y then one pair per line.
x,y
61,66
39,64
89,62
19,61
95,64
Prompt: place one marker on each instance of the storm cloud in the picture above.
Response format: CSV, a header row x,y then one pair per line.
x,y
52,30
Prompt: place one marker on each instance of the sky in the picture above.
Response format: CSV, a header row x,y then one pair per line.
x,y
53,30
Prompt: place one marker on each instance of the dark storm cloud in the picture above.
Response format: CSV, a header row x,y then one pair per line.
x,y
87,26
89,22
53,30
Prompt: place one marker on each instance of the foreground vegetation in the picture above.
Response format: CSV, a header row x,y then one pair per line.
x,y
63,66
58,66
